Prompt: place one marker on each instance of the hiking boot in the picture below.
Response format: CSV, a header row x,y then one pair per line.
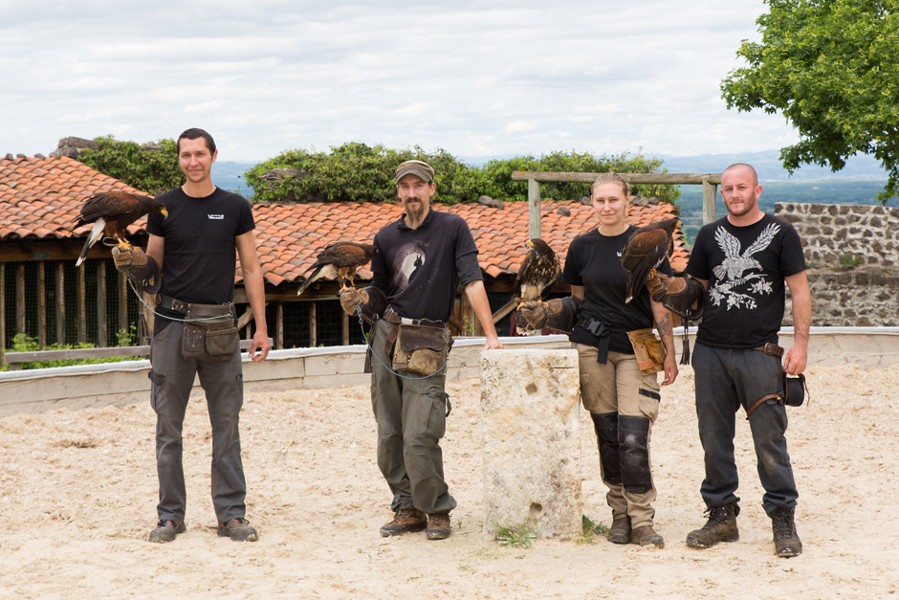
x,y
238,530
620,531
647,536
786,540
406,520
166,530
438,526
721,527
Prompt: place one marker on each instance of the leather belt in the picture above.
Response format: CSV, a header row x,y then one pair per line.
x,y
193,309
391,316
770,349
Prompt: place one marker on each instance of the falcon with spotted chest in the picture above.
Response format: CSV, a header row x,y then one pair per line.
x,y
539,271
338,261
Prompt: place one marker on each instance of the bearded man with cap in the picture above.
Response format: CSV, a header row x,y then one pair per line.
x,y
420,261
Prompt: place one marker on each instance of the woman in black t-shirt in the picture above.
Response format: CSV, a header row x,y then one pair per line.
x,y
622,401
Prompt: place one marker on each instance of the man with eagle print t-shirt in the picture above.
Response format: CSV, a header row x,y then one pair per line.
x,y
744,261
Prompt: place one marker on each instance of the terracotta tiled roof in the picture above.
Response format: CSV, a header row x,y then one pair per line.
x,y
290,236
40,197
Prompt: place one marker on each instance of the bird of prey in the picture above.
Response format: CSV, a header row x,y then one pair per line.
x,y
338,261
645,251
538,272
111,213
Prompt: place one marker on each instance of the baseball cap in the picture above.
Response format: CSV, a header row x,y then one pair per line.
x,y
420,169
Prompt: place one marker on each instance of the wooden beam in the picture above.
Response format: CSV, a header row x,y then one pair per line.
x,y
709,195
657,178
313,326
279,325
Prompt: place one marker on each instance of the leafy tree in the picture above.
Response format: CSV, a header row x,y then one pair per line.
x,y
360,173
832,68
151,168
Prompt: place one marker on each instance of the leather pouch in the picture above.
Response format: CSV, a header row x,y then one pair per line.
x,y
421,349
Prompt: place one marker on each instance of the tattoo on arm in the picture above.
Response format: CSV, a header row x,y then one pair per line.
x,y
663,324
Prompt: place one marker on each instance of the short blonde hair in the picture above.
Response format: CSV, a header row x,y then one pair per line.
x,y
604,178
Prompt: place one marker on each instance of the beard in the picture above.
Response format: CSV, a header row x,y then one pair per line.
x,y
415,208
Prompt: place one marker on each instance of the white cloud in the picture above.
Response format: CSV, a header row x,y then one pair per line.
x,y
474,78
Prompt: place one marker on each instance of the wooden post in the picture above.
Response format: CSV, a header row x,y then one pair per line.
x,y
279,315
709,194
313,331
345,331
2,312
80,312
122,320
20,299
41,306
60,304
533,208
102,325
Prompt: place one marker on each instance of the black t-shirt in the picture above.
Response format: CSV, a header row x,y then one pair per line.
x,y
594,262
745,268
200,261
418,269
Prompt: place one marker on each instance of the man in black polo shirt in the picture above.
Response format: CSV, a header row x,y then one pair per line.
x,y
421,258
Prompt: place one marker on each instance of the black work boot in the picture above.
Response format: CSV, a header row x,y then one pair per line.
x,y
620,531
786,540
721,527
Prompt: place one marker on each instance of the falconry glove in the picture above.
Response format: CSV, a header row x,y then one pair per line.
x,y
680,295
371,300
140,268
558,313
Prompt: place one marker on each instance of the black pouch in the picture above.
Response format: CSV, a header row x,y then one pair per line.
x,y
421,349
209,339
794,390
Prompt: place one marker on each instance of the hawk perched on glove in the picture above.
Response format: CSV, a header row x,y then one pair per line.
x,y
111,213
538,272
338,261
645,251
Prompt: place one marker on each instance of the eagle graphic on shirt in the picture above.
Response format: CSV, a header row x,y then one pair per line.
x,y
739,279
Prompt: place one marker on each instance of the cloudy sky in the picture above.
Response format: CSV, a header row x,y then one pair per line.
x,y
476,78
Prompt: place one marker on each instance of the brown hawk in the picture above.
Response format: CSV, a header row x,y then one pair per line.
x,y
338,261
111,213
645,251
538,272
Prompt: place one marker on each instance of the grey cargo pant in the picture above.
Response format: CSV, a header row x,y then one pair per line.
x,y
411,418
172,377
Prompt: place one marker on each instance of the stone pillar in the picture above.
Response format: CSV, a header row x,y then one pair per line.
x,y
530,404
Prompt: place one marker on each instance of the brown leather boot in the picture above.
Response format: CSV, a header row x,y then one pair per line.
x,y
721,527
438,526
406,520
620,531
786,540
645,535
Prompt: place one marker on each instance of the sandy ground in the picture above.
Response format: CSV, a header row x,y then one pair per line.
x,y
78,494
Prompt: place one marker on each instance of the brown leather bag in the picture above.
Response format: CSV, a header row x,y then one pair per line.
x,y
421,349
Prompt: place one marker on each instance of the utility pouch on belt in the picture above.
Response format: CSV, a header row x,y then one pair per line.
x,y
648,349
215,339
421,349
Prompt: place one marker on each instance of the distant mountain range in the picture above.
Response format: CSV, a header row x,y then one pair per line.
x,y
860,175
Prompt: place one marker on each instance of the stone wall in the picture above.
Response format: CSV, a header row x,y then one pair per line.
x,y
853,257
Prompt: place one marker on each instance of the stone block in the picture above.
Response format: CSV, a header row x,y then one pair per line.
x,y
530,405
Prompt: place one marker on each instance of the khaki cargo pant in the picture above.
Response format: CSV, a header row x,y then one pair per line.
x,y
618,395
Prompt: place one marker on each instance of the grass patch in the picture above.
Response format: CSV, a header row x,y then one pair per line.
x,y
519,536
590,530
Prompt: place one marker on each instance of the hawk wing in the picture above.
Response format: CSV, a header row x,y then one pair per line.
x,y
111,213
645,250
338,261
